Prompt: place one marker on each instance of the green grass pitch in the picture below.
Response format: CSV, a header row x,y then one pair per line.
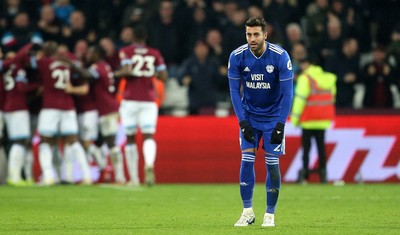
x,y
197,209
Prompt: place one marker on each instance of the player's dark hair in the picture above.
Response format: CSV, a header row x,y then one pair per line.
x,y
257,21
99,50
140,33
50,48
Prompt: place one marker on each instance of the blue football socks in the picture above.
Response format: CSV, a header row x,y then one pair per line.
x,y
273,182
247,179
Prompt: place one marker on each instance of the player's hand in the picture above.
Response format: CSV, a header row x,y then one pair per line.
x,y
277,134
68,87
245,128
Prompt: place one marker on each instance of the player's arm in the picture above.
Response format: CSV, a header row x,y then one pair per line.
x,y
162,75
82,72
124,71
22,83
286,85
76,90
287,98
76,67
126,66
234,87
245,128
161,68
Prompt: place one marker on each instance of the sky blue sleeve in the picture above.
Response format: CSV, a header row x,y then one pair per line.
x,y
286,83
234,87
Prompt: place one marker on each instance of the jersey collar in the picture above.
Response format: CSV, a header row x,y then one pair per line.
x,y
266,48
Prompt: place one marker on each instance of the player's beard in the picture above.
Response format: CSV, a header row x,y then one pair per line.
x,y
257,49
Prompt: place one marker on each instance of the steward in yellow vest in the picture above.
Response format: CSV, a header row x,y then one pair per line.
x,y
313,110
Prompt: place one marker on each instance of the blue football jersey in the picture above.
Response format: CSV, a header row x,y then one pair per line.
x,y
260,78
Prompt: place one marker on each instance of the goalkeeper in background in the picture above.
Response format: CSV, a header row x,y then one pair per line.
x,y
261,87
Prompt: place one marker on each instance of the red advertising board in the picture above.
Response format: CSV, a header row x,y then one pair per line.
x,y
205,149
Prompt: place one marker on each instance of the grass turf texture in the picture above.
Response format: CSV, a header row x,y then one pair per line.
x,y
197,209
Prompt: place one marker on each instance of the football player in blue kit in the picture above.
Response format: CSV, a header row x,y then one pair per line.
x,y
261,87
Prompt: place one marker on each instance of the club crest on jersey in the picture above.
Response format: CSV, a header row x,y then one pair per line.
x,y
289,65
269,68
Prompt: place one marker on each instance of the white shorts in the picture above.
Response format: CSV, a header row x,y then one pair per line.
x,y
56,121
1,123
109,124
18,124
140,114
88,123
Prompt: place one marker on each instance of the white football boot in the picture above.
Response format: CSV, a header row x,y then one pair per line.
x,y
269,220
247,218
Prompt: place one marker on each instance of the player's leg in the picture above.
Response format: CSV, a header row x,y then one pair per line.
x,y
109,129
48,122
132,160
16,163
68,163
147,122
320,139
88,134
273,184
306,144
29,160
18,129
58,158
129,115
273,180
28,164
3,162
3,159
247,179
73,148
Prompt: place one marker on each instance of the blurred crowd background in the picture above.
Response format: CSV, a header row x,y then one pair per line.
x,y
358,40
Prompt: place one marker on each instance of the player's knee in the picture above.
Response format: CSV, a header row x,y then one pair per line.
x,y
110,141
44,139
131,139
249,150
23,142
148,136
248,158
70,139
86,144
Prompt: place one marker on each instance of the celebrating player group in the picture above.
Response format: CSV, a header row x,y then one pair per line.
x,y
72,95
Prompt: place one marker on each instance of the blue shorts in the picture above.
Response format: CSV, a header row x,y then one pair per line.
x,y
262,130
